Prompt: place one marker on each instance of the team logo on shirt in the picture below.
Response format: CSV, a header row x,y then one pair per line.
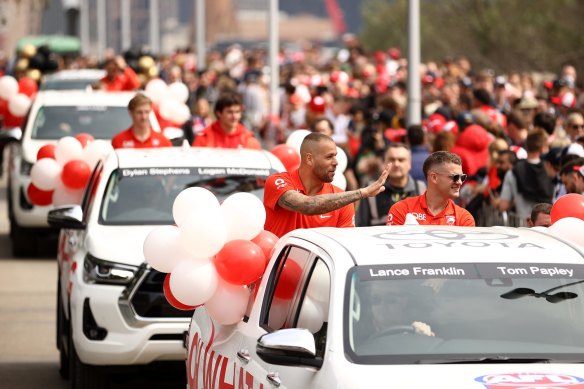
x,y
280,183
389,219
450,220
155,142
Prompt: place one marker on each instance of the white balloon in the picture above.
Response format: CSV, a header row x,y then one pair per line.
x,y
311,316
182,114
569,228
540,229
156,89
295,139
320,284
191,200
96,150
167,108
162,248
278,313
244,215
193,282
342,160
8,87
228,304
19,104
46,174
179,91
67,149
203,234
65,196
339,180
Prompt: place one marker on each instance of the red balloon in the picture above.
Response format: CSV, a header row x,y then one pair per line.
x,y
3,106
12,121
287,155
171,299
27,86
240,262
47,151
84,139
39,197
288,280
75,174
266,240
569,205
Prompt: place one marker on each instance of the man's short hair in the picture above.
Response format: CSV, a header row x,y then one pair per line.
x,y
511,156
536,140
312,139
322,119
439,158
415,135
516,119
227,100
573,166
540,208
545,120
138,100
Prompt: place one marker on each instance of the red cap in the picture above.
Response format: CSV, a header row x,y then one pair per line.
x,y
317,104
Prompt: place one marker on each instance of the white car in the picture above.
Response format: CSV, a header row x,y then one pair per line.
x,y
54,115
404,307
111,306
72,79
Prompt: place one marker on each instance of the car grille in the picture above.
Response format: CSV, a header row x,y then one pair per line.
x,y
148,300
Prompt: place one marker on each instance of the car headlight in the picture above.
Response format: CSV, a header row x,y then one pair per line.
x,y
25,167
99,271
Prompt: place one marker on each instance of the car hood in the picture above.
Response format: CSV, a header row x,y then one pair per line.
x,y
466,376
122,244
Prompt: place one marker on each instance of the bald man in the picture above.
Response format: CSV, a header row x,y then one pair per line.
x,y
306,198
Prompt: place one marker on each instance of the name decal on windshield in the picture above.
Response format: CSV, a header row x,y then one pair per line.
x,y
195,171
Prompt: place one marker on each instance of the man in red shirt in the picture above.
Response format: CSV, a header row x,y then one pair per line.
x,y
227,132
305,198
443,172
119,76
140,134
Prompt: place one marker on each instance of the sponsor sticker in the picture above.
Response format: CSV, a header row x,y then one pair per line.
x,y
531,381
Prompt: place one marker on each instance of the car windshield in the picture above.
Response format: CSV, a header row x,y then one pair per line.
x,y
103,122
68,84
146,195
464,313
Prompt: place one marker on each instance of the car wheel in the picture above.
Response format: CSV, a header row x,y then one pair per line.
x,y
62,336
84,376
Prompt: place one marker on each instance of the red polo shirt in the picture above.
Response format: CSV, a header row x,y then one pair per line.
x,y
127,140
280,220
452,215
127,81
215,136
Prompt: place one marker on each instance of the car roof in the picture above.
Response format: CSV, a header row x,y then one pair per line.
x,y
75,74
193,156
80,98
430,244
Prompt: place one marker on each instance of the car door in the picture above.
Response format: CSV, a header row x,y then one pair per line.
x,y
297,296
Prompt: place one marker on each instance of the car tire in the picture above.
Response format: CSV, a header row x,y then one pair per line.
x,y
62,336
84,376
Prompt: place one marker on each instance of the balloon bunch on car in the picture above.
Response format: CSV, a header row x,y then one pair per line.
x,y
289,154
567,217
16,98
61,171
213,254
169,101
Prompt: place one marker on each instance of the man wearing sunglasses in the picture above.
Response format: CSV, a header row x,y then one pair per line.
x,y
443,172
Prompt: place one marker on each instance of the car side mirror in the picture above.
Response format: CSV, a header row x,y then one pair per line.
x,y
12,134
289,347
70,216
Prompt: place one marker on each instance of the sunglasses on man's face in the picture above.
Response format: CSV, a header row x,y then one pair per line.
x,y
454,177
577,126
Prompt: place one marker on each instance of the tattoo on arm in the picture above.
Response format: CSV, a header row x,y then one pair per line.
x,y
317,205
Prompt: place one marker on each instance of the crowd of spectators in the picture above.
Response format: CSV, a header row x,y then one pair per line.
x,y
519,135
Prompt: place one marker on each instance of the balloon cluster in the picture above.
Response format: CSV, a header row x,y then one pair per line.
x,y
61,171
214,253
567,217
289,154
169,102
16,98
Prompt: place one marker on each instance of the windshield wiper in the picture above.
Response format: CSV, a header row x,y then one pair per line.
x,y
486,360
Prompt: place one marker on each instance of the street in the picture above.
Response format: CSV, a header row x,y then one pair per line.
x,y
29,357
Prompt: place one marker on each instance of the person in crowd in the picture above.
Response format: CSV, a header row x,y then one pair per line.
x,y
373,211
516,129
472,146
227,131
119,76
528,183
572,175
552,162
305,198
140,134
540,215
574,126
443,172
323,125
200,119
419,150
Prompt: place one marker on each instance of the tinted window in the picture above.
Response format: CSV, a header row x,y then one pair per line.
x,y
148,199
102,122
